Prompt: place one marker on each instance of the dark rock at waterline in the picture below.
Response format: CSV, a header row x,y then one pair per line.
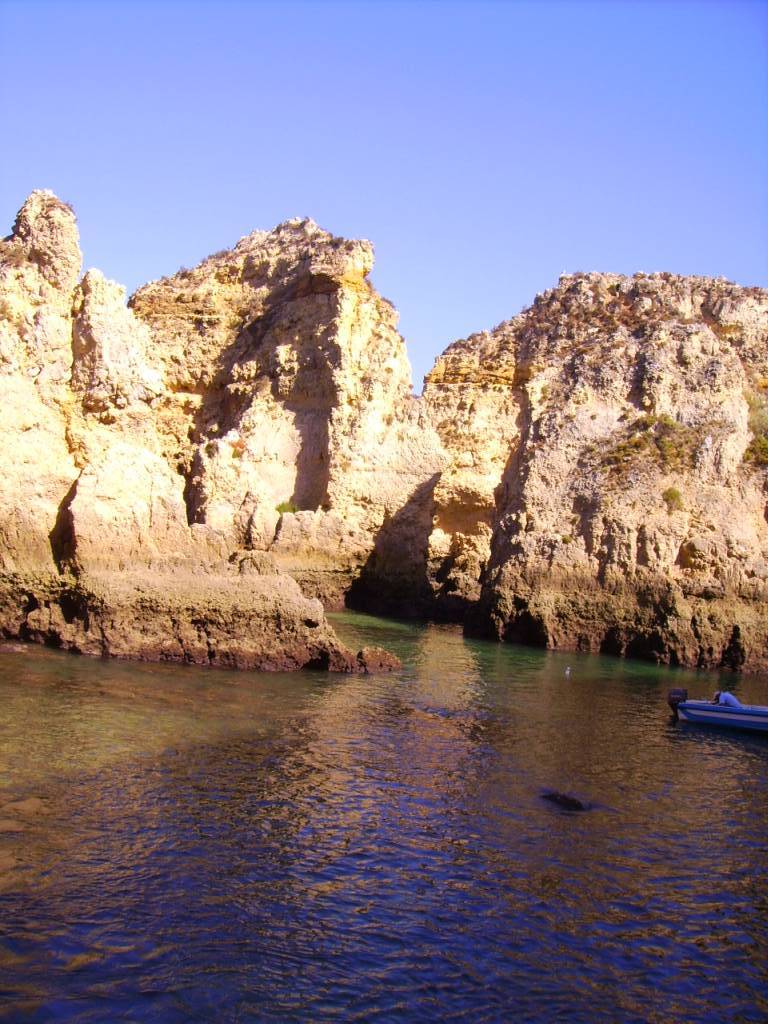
x,y
377,659
565,800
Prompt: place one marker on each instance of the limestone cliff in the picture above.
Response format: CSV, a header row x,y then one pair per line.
x,y
288,405
590,474
631,514
101,549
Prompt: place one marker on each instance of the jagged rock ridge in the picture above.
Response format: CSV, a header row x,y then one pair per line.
x,y
588,475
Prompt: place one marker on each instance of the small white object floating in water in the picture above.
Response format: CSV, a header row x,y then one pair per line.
x,y
568,672
723,710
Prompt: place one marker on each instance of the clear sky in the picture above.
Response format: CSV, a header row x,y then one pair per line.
x,y
483,147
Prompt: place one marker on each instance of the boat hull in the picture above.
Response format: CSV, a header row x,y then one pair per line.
x,y
700,712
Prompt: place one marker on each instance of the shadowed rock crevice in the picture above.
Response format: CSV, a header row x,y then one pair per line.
x,y
62,536
526,628
734,654
648,647
395,580
509,496
483,619
310,491
247,370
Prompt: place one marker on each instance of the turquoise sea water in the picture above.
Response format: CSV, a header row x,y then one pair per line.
x,y
180,844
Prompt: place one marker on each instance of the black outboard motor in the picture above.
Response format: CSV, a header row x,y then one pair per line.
x,y
675,697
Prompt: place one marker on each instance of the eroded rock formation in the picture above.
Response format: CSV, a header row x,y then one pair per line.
x,y
101,548
631,515
589,475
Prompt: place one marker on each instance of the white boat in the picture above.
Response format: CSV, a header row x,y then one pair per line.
x,y
729,714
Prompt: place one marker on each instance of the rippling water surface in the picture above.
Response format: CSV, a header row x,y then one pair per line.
x,y
187,845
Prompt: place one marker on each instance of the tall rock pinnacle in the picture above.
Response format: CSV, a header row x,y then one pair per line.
x,y
48,229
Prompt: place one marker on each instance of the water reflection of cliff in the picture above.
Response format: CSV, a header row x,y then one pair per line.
x,y
300,847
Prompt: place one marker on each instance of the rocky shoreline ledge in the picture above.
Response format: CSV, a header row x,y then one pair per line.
x,y
195,475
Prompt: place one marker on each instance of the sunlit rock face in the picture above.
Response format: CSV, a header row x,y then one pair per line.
x,y
289,405
105,544
39,269
589,475
631,514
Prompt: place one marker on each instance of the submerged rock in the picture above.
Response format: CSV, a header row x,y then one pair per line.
x,y
376,659
565,801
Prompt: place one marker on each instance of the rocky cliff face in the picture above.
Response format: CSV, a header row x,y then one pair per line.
x,y
289,411
102,545
288,406
631,514
589,475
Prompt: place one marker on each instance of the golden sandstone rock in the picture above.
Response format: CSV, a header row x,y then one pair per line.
x,y
589,475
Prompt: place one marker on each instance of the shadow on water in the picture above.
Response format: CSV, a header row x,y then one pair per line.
x,y
196,845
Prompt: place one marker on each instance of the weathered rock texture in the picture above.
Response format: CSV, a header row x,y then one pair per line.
x,y
631,514
288,406
104,548
588,475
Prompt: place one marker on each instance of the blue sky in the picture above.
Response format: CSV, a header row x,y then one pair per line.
x,y
483,147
